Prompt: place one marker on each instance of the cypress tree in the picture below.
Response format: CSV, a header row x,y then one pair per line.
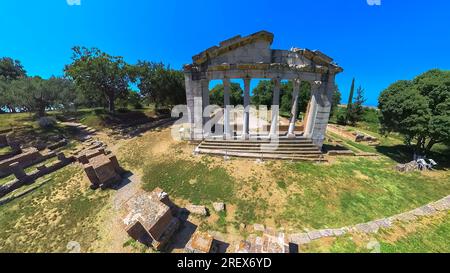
x,y
350,98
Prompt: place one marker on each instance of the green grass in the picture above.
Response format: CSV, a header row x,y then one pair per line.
x,y
47,219
428,235
190,180
13,120
352,145
47,163
5,150
355,191
7,179
431,238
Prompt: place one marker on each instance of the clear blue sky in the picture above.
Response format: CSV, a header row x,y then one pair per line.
x,y
376,44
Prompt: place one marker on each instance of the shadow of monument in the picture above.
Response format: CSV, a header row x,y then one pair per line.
x,y
220,247
125,181
184,233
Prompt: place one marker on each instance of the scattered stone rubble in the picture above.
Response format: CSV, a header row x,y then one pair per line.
x,y
361,137
197,210
270,242
219,207
408,167
149,218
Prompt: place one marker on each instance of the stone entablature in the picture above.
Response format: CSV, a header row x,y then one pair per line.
x,y
252,57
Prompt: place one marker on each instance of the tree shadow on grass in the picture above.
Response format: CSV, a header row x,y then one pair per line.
x,y
403,154
329,147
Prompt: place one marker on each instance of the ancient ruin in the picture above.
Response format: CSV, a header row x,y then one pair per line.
x,y
200,243
100,166
149,218
252,57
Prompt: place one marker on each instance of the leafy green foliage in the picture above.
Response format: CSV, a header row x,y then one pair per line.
x,y
35,94
160,84
11,69
355,112
418,109
236,94
263,95
95,71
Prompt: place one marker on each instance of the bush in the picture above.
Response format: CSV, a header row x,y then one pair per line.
x,y
47,122
341,119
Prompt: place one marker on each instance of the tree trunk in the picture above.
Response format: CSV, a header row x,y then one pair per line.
x,y
41,112
430,145
111,106
12,109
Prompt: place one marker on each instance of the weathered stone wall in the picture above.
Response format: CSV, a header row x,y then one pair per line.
x,y
258,52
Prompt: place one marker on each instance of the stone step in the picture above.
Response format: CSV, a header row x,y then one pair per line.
x,y
259,152
265,146
312,158
261,149
259,142
287,141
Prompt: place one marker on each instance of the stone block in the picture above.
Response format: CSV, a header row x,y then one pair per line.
x,y
300,238
200,243
314,235
148,220
219,207
197,210
259,227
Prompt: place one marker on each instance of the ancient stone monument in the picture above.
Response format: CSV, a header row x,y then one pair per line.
x,y
149,218
252,57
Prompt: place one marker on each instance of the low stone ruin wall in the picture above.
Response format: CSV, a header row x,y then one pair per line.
x,y
26,158
23,178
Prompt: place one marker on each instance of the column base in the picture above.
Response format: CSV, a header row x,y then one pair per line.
x,y
291,136
245,136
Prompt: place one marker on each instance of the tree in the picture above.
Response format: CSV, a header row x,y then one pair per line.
x,y
336,100
68,96
35,94
263,95
350,100
95,71
356,112
9,70
160,84
236,94
418,109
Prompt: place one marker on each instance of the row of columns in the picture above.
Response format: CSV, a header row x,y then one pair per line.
x,y
246,116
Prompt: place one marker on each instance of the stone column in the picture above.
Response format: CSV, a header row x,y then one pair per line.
x,y
310,119
197,111
226,108
246,120
275,108
194,106
296,91
204,83
190,103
